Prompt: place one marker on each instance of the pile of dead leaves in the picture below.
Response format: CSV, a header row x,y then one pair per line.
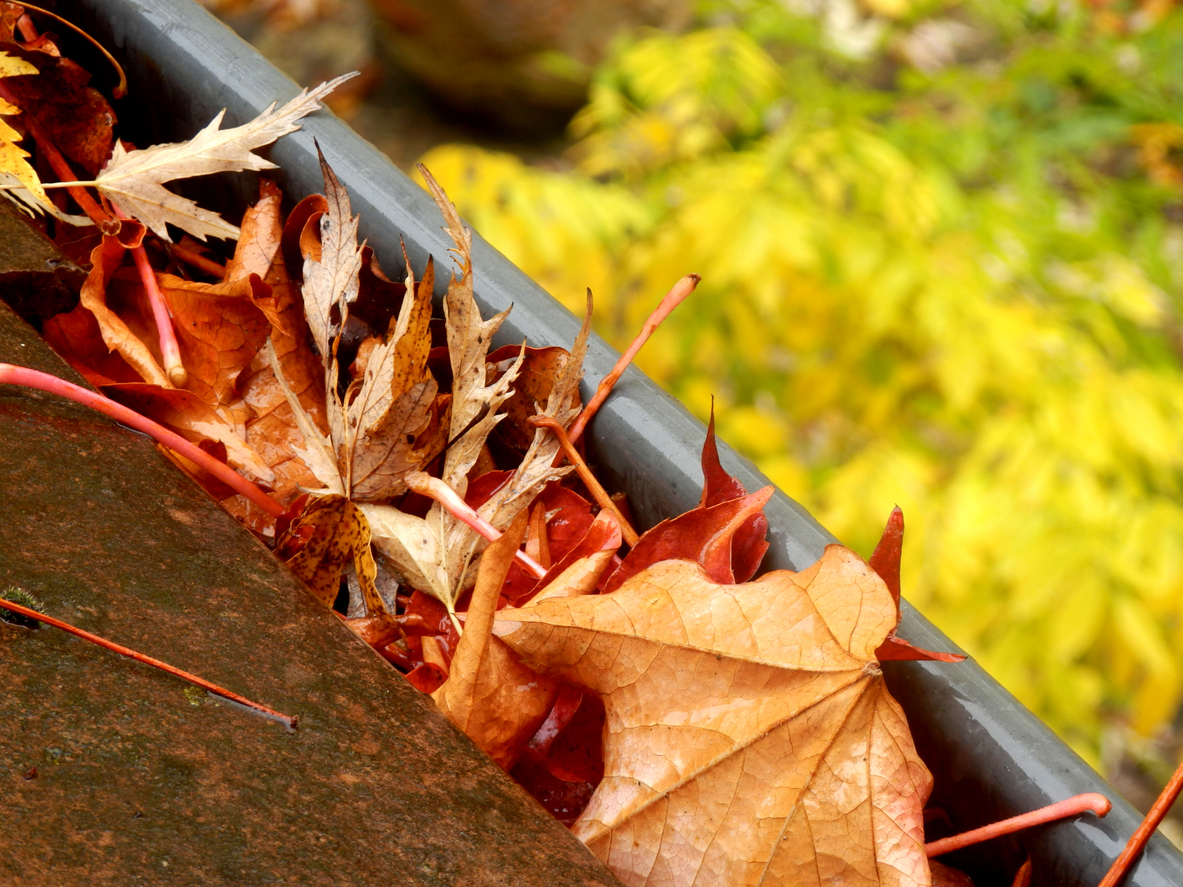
x,y
692,724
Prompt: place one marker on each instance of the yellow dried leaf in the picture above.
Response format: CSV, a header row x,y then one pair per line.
x,y
12,157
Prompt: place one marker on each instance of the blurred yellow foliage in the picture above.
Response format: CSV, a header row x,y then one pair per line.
x,y
894,313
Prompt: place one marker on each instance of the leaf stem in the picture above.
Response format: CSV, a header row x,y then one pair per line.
x,y
1142,834
209,266
590,481
15,375
28,30
1077,804
434,488
148,660
170,351
669,302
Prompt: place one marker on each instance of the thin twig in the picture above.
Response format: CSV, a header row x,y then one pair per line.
x,y
1086,803
593,485
669,302
45,382
436,489
120,89
148,660
1141,835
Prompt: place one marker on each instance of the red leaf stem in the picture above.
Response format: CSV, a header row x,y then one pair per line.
x,y
209,266
434,488
669,302
27,28
148,660
1142,834
593,485
1088,802
15,375
170,351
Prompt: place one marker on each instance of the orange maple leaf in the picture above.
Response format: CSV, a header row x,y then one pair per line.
x,y
750,738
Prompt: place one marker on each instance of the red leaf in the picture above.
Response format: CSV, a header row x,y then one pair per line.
x,y
426,678
602,535
718,486
885,560
482,488
577,754
896,649
748,545
705,535
564,761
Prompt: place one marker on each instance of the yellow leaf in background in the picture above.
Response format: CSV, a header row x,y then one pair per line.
x,y
1160,680
888,8
994,355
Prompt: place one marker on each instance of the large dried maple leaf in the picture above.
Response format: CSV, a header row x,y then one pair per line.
x,y
750,739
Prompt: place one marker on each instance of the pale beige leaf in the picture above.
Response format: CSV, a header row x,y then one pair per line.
x,y
474,404
411,547
391,421
537,467
14,190
317,452
475,407
750,739
399,363
331,284
134,180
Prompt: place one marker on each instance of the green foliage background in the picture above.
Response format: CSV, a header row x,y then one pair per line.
x,y
950,282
